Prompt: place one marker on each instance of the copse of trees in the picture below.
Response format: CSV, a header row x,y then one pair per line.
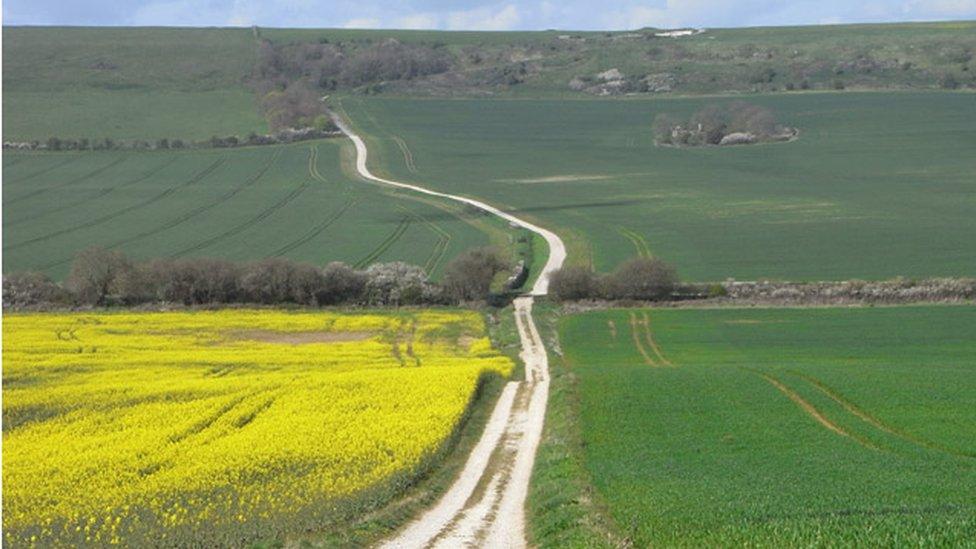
x,y
639,279
735,123
290,78
100,277
469,276
326,66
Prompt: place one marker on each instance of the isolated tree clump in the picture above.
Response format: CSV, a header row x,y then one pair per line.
x,y
94,274
736,123
468,277
573,283
341,284
639,279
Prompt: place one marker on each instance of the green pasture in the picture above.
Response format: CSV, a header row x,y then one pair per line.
x,y
193,83
249,203
785,427
877,185
127,83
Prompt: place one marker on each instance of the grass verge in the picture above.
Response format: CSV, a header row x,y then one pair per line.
x,y
563,507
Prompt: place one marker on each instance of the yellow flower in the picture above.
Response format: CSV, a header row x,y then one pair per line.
x,y
141,426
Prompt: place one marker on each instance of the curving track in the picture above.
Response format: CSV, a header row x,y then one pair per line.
x,y
485,506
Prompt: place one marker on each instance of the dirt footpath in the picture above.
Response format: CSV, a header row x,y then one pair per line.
x,y
485,506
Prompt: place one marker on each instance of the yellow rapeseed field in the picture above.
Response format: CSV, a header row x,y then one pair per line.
x,y
223,427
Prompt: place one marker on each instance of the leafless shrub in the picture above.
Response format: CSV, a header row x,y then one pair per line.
x,y
193,281
573,283
733,123
31,288
468,277
94,274
641,279
341,284
278,280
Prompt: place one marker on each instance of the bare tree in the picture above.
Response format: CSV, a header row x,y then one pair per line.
x,y
663,125
93,273
571,283
468,276
341,284
642,278
711,122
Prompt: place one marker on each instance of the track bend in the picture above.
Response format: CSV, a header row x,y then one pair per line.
x,y
485,506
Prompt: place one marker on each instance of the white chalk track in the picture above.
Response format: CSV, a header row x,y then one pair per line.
x,y
485,506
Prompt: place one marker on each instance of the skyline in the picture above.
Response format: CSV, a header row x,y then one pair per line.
x,y
459,15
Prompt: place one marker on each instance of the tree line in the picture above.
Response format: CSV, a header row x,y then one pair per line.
x,y
100,277
290,78
320,127
638,279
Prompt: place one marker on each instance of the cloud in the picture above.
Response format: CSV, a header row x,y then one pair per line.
x,y
362,23
484,18
480,14
941,8
418,21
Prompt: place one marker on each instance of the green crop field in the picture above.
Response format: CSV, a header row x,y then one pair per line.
x,y
785,427
127,83
878,184
248,203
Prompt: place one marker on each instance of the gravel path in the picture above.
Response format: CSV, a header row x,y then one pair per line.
x,y
485,506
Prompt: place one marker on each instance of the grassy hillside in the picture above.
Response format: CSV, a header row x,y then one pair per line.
x,y
127,83
150,83
247,203
780,427
718,60
878,184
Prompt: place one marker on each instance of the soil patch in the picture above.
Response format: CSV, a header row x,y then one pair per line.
x,y
568,178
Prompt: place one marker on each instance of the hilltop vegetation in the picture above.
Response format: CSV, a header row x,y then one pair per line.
x,y
641,61
151,83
